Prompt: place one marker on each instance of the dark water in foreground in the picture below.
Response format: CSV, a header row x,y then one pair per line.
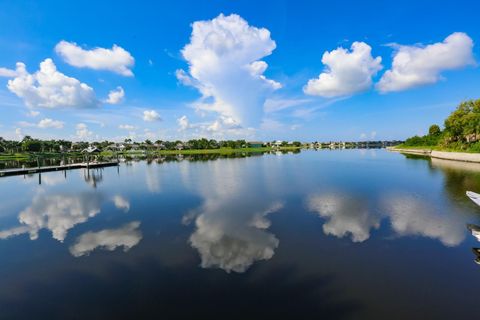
x,y
351,234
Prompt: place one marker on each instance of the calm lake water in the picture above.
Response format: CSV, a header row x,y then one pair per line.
x,y
346,234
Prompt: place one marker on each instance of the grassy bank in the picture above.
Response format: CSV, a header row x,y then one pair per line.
x,y
14,157
26,156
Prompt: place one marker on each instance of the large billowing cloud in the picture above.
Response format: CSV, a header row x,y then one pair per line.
x,y
127,237
49,88
347,72
224,57
345,216
420,65
116,59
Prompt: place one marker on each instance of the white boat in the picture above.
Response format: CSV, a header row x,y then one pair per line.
x,y
475,197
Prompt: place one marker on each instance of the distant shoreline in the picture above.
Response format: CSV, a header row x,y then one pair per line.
x,y
26,156
445,155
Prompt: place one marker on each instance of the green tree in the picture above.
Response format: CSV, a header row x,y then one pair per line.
x,y
434,130
463,124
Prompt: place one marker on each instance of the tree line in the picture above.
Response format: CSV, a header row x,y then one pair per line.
x,y
29,144
461,130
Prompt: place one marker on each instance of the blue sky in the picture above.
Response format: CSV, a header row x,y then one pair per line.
x,y
293,70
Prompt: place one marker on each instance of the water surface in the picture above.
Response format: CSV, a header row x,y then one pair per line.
x,y
346,234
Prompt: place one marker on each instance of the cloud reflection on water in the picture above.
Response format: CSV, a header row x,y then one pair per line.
x,y
230,226
127,237
233,242
408,216
345,215
59,213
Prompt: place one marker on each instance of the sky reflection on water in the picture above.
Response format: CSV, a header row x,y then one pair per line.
x,y
348,234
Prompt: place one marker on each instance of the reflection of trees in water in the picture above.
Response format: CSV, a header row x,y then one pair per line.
x,y
128,159
150,158
458,177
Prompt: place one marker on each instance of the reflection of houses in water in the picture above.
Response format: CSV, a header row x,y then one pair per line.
x,y
93,176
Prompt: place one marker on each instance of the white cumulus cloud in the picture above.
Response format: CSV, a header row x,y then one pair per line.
x,y
347,72
224,57
82,131
115,96
50,88
50,123
418,65
116,59
151,115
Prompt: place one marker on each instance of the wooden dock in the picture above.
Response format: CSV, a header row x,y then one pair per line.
x,y
23,171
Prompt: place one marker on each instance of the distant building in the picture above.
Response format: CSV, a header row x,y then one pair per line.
x,y
179,146
116,147
90,150
277,143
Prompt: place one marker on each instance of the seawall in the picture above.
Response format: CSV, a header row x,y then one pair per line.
x,y
456,156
